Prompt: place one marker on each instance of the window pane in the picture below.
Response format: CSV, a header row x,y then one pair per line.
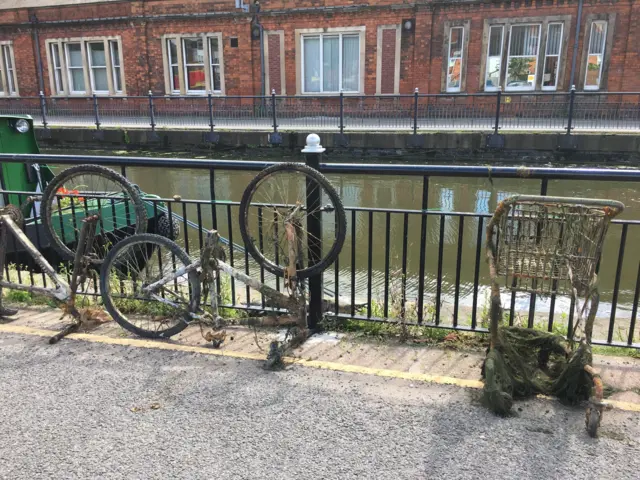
x,y
550,72
594,62
493,72
175,78
173,52
7,58
524,40
75,55
1,84
596,43
351,63
194,51
100,79
453,77
312,64
195,78
331,64
521,72
98,57
554,38
77,80
455,44
117,79
495,41
215,78
55,55
215,54
494,59
115,54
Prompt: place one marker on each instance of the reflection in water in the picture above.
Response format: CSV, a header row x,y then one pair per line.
x,y
445,195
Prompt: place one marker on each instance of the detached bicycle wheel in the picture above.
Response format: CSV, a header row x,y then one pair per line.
x,y
277,196
139,261
88,190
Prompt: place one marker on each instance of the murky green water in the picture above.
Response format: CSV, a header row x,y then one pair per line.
x,y
445,195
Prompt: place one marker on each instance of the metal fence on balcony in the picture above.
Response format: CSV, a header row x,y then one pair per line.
x,y
540,111
424,264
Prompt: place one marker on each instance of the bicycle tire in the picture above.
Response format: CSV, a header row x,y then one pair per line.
x,y
59,180
341,224
106,274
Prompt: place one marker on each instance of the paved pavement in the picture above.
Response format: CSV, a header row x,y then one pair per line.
x,y
92,410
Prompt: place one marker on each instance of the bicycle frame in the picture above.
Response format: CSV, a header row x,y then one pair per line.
x,y
279,298
61,292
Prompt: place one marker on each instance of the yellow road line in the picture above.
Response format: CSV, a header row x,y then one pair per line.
x,y
338,367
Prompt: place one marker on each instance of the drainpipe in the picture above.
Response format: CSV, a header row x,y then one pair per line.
x,y
575,44
36,43
256,22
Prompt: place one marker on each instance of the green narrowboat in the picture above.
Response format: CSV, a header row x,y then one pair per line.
x,y
52,221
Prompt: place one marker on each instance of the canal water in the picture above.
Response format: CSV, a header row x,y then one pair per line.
x,y
394,192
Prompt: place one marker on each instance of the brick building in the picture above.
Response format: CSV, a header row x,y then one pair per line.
x,y
316,47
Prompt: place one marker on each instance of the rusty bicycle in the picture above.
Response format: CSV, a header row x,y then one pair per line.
x,y
293,224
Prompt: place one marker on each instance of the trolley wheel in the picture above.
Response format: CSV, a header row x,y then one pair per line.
x,y
100,191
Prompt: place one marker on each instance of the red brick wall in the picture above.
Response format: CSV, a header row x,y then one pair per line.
x,y
387,72
275,72
421,46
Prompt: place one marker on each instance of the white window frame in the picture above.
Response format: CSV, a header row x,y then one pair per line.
x,y
173,63
321,36
212,65
185,66
69,68
537,56
92,68
116,68
558,56
58,74
168,62
449,58
62,45
602,55
486,69
8,76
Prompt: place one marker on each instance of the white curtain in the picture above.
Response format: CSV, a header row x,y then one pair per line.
x,y
350,63
331,64
555,36
312,64
524,40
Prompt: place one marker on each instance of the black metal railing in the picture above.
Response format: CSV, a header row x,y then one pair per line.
x,y
518,111
422,265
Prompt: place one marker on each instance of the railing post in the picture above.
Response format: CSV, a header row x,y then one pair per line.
x,y
275,138
341,112
572,97
152,116
568,142
415,111
495,140
273,111
210,102
43,110
211,136
95,111
313,153
498,100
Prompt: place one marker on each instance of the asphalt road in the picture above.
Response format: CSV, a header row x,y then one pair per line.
x,y
81,410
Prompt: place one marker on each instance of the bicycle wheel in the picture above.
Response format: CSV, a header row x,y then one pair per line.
x,y
98,191
139,261
274,195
